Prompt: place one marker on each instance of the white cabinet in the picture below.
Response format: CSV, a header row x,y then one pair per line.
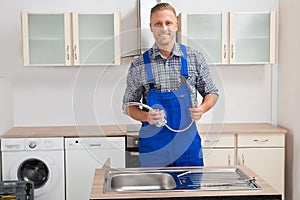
x,y
218,149
205,33
230,37
6,113
265,155
69,39
252,37
261,147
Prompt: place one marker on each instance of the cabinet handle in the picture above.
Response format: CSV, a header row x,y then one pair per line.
x,y
68,52
261,141
229,160
243,159
95,145
232,51
225,54
75,52
212,141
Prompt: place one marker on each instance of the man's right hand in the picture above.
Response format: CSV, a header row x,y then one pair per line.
x,y
155,115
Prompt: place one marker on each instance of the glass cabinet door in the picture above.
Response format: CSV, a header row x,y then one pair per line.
x,y
251,37
47,39
95,38
44,39
204,32
207,33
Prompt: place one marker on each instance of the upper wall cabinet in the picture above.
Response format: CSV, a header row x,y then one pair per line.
x,y
70,39
203,32
230,38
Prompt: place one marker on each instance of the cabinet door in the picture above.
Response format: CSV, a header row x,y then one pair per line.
x,y
96,39
205,32
46,39
218,156
252,37
218,149
230,38
265,155
268,163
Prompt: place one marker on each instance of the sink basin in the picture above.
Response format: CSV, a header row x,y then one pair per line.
x,y
175,179
139,181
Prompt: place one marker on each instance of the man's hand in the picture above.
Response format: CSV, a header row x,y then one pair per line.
x,y
196,112
199,109
155,115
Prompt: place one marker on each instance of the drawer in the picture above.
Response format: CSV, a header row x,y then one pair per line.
x,y
261,140
217,140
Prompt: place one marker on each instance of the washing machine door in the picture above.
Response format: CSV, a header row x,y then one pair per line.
x,y
38,168
34,170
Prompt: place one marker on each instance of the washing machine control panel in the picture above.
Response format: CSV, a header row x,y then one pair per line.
x,y
32,144
43,144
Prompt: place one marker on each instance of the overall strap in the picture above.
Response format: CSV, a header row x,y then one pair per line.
x,y
148,69
183,59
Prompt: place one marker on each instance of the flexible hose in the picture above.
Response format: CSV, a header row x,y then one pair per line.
x,y
164,122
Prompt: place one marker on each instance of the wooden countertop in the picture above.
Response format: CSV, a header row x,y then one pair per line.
x,y
121,130
66,131
97,190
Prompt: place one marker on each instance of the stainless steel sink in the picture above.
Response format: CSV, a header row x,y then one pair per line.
x,y
139,181
175,179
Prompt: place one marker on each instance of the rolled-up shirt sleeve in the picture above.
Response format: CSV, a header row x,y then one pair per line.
x,y
205,84
133,91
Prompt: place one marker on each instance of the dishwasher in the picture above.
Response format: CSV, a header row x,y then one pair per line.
x,y
83,155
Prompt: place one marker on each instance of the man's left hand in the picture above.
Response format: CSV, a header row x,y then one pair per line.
x,y
196,112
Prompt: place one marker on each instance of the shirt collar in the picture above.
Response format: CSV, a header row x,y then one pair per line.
x,y
176,51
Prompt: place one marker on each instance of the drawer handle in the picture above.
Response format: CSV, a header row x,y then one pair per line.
x,y
95,145
211,141
261,141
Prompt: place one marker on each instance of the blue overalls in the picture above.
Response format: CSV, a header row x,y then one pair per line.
x,y
160,147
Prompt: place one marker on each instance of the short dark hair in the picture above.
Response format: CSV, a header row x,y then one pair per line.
x,y
162,6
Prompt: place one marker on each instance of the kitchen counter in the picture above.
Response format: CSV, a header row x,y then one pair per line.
x,y
66,131
266,193
121,130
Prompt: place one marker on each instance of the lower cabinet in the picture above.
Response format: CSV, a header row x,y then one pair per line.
x,y
218,157
218,149
265,155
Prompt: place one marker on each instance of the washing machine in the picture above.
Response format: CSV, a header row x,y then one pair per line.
x,y
40,160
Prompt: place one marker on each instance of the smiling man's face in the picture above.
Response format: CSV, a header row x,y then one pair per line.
x,y
164,24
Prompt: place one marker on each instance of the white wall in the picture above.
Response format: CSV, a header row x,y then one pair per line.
x,y
6,118
44,95
89,95
289,91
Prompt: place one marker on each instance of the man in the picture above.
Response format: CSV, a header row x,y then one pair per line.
x,y
167,78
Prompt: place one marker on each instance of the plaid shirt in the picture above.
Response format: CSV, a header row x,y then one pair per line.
x,y
167,74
